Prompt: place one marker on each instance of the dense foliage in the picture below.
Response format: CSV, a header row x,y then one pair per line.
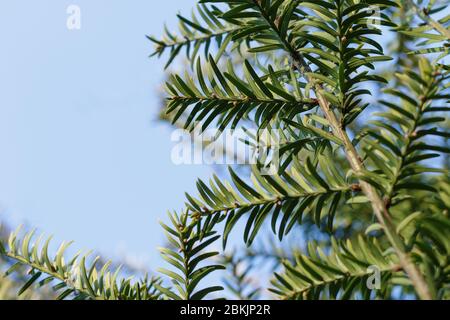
x,y
359,92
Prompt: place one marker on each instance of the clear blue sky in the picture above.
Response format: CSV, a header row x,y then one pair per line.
x,y
81,155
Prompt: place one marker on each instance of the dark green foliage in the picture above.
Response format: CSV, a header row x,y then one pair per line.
x,y
187,255
365,191
74,277
341,274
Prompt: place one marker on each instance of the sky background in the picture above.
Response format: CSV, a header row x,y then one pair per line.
x,y
82,156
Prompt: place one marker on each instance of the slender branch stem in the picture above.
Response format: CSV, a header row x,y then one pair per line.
x,y
183,41
409,139
191,100
276,201
298,293
424,15
377,203
64,278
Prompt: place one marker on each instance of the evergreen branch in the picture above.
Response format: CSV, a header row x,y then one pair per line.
x,y
231,98
424,89
377,203
341,274
356,164
424,14
188,244
279,28
335,60
176,45
74,278
197,38
310,56
195,34
9,288
431,31
286,197
432,249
